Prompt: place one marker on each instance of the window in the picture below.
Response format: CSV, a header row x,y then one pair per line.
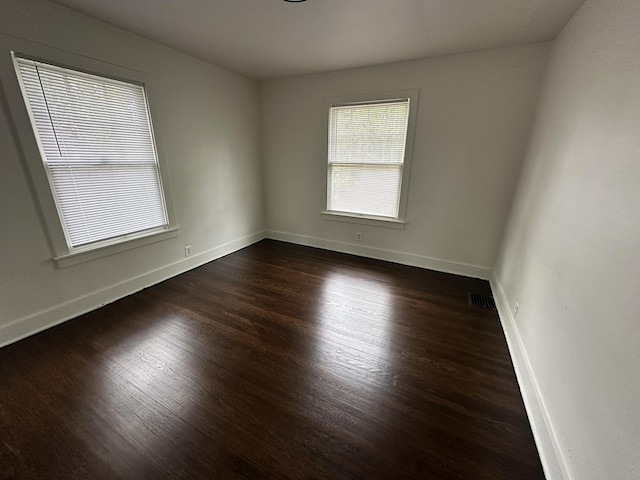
x,y
96,142
368,151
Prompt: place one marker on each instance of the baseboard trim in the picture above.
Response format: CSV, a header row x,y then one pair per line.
x,y
48,318
550,453
403,258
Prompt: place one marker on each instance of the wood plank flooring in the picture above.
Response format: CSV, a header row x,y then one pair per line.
x,y
275,362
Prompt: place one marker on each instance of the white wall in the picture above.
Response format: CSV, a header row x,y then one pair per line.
x,y
210,139
571,254
475,113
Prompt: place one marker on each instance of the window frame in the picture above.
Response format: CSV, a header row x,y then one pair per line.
x,y
29,149
412,95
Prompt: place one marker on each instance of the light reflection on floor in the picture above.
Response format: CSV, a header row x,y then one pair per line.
x,y
355,320
139,372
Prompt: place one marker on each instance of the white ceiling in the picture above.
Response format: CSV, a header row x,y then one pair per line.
x,y
265,39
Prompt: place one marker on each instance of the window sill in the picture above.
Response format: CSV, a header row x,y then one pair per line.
x,y
363,219
102,250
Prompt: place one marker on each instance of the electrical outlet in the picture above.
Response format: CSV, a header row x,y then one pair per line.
x,y
187,250
515,310
358,236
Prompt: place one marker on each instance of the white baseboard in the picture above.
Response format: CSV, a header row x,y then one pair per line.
x,y
383,254
42,320
551,457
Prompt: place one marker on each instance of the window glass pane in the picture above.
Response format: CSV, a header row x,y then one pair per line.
x,y
98,202
97,145
374,133
366,153
373,190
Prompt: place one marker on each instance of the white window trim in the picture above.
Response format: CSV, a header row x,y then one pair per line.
x,y
99,250
362,219
399,222
61,253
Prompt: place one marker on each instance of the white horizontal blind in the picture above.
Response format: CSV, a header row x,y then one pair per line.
x,y
366,156
96,139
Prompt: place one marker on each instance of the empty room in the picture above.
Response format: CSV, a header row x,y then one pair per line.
x,y
320,239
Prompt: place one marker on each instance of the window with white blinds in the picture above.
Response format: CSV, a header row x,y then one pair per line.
x,y
366,157
97,146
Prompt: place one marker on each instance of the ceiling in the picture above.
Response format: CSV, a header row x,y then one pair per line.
x,y
265,39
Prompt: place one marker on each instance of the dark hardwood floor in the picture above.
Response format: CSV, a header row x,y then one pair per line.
x,y
275,362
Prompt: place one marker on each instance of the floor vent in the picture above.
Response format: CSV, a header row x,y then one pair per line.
x,y
482,300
